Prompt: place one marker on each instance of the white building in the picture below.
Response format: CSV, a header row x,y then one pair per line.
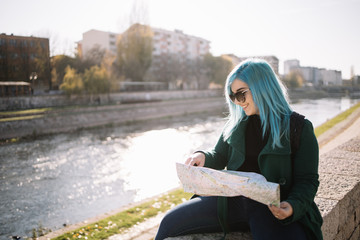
x,y
176,42
289,65
95,38
314,75
165,42
331,77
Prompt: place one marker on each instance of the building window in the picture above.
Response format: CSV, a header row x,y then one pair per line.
x,y
12,42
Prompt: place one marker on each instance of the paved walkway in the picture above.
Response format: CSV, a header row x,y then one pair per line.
x,y
340,134
352,130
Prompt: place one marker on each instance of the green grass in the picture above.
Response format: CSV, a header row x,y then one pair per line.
x,y
118,223
332,122
25,112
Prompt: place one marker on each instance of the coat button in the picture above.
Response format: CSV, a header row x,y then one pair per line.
x,y
282,181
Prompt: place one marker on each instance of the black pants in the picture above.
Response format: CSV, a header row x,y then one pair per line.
x,y
199,215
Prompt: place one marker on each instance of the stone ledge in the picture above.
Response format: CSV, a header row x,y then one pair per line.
x,y
338,197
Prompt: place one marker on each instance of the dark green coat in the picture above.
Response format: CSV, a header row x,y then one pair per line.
x,y
275,164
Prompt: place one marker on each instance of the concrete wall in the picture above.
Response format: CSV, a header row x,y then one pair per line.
x,y
15,103
74,118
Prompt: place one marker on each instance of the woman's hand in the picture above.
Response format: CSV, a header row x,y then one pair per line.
x,y
284,211
197,159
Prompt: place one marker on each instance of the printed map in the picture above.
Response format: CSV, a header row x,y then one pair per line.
x,y
209,182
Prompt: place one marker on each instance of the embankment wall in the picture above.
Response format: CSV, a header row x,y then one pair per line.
x,y
42,101
66,120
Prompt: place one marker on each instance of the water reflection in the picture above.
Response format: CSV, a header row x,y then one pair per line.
x,y
67,178
319,111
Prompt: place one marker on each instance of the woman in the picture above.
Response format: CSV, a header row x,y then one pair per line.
x,y
256,138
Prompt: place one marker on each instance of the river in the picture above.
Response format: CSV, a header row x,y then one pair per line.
x,y
68,178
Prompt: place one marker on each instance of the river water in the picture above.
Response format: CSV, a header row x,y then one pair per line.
x,y
68,178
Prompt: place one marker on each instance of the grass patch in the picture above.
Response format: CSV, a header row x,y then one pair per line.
x,y
118,223
332,122
25,112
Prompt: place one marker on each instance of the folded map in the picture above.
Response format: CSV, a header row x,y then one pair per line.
x,y
209,182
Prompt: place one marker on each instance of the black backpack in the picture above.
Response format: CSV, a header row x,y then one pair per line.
x,y
296,124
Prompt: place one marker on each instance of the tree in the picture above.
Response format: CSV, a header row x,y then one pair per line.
x,y
96,80
294,80
217,68
135,52
196,73
59,63
72,83
94,56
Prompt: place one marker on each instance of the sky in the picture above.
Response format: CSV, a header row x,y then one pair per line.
x,y
319,33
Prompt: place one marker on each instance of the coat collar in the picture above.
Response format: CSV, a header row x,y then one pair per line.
x,y
237,141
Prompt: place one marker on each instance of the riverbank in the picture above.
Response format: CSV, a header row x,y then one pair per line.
x,y
59,114
146,230
60,120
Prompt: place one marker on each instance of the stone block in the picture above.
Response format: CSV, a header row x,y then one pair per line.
x,y
334,186
348,228
351,146
340,162
357,215
330,212
356,234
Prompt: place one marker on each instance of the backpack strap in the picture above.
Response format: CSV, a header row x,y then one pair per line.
x,y
296,125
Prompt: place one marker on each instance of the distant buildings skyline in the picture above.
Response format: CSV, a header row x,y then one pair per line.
x,y
313,75
164,42
187,46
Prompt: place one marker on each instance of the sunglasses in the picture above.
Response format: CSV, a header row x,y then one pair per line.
x,y
239,96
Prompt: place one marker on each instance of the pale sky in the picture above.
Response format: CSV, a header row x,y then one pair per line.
x,y
319,33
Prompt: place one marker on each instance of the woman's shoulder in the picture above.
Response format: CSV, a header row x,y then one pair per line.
x,y
299,120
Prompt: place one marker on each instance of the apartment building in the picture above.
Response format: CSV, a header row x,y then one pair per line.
x,y
164,42
290,65
97,39
176,42
170,48
313,75
25,59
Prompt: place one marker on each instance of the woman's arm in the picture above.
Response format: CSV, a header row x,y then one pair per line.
x,y
216,158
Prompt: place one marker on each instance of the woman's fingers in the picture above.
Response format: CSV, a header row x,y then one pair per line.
x,y
197,159
284,211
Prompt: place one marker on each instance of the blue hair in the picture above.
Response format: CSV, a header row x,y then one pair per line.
x,y
269,94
